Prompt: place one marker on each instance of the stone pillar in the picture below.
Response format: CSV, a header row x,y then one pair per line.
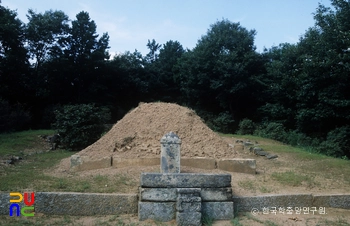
x,y
170,153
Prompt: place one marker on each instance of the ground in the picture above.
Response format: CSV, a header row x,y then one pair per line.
x,y
293,172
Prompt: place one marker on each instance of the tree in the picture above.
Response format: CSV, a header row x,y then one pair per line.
x,y
168,58
86,57
159,69
218,74
324,97
45,33
280,84
153,47
13,56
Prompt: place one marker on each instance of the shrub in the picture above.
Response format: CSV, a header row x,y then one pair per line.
x,y
80,125
246,126
223,122
272,130
13,118
219,123
337,143
296,138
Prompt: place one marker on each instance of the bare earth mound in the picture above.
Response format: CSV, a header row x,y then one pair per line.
x,y
138,134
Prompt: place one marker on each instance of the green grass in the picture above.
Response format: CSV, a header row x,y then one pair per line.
x,y
29,173
291,178
338,222
310,162
247,184
14,143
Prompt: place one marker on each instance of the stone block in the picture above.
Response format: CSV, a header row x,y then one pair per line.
x,y
82,204
334,201
192,204
238,147
189,219
158,211
218,210
81,163
158,194
122,162
201,163
246,204
188,200
185,180
238,165
216,194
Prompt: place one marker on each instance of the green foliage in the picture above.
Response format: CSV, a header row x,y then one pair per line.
x,y
246,126
13,118
80,125
207,221
337,143
223,122
300,89
272,130
217,75
45,33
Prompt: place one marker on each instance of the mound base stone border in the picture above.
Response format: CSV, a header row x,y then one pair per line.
x,y
81,163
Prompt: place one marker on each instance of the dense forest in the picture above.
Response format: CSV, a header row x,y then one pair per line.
x,y
296,93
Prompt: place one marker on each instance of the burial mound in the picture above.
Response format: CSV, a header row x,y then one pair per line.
x,y
138,134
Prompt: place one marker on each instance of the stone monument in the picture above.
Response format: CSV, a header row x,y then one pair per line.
x,y
186,197
170,153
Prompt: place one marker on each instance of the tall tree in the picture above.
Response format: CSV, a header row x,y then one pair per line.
x,y
86,54
217,75
324,96
169,55
45,33
153,47
280,84
13,56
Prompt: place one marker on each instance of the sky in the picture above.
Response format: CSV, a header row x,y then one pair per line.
x,y
131,23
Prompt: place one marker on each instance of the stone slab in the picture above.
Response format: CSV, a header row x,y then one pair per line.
x,y
122,162
334,201
191,191
158,211
218,210
238,147
189,219
82,204
216,194
237,165
158,194
246,204
201,163
185,180
81,163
